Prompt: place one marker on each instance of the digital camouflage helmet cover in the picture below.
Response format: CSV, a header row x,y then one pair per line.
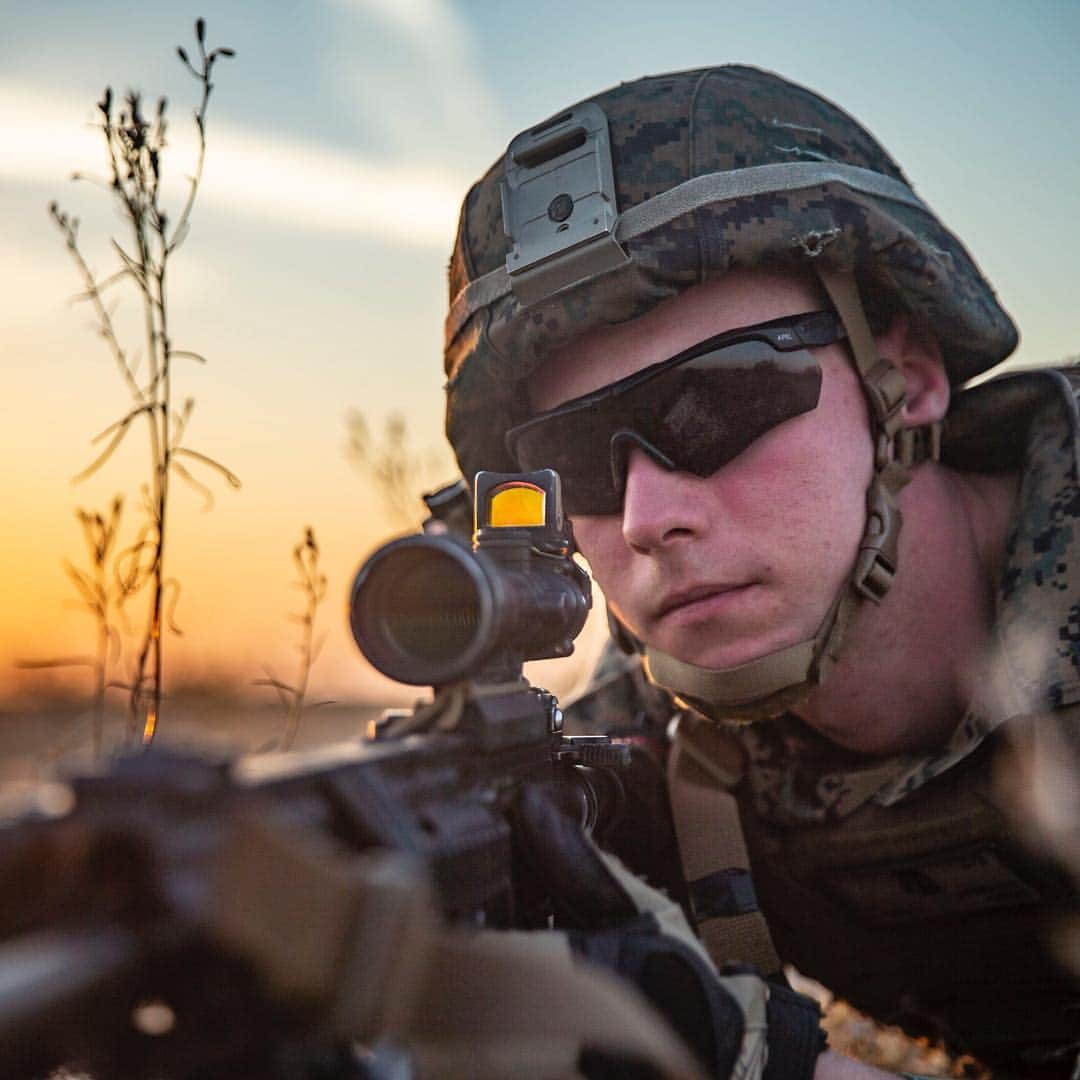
x,y
624,200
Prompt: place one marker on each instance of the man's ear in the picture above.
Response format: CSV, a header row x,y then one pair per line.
x,y
915,351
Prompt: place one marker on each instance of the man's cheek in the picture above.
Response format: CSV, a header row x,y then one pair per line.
x,y
607,555
599,539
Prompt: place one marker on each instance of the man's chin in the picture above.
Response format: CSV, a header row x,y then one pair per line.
x,y
723,656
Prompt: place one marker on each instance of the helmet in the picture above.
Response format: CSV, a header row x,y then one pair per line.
x,y
624,200
827,193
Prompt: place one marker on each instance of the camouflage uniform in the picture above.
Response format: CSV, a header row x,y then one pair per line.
x,y
899,881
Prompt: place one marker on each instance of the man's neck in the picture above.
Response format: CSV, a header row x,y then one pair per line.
x,y
909,669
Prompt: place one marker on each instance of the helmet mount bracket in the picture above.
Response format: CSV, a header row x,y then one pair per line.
x,y
558,204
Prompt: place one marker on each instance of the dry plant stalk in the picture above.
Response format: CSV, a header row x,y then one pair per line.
x,y
311,581
134,146
400,473
102,592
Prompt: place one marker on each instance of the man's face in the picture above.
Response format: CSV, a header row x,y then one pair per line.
x,y
724,569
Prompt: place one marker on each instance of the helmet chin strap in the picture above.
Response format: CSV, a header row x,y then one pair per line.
x,y
778,681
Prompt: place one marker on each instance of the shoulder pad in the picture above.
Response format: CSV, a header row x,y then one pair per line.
x,y
987,426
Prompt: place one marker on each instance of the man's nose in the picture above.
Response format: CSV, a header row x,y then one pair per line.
x,y
660,506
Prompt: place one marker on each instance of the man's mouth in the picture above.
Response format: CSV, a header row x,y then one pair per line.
x,y
699,600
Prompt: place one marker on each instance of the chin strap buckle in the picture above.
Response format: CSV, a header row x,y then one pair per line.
x,y
913,445
875,566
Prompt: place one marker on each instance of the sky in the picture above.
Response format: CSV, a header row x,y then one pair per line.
x,y
342,138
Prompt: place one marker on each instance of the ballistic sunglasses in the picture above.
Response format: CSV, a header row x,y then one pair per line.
x,y
693,412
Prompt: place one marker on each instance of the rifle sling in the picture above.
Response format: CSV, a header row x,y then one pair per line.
x,y
704,766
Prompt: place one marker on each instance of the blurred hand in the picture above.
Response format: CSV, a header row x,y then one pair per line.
x,y
736,1023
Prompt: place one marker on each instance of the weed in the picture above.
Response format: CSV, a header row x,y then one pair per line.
x,y
399,472
102,593
312,583
135,144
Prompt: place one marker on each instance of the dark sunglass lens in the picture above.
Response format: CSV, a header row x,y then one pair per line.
x,y
707,411
591,495
569,444
695,415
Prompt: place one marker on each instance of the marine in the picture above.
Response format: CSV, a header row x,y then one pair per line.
x,y
845,586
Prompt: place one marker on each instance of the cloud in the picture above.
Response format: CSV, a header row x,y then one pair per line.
x,y
439,105
433,24
42,135
434,122
307,184
283,180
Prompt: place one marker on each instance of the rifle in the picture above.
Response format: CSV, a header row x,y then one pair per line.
x,y
175,916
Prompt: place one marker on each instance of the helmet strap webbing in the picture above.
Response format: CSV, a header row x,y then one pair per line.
x,y
884,387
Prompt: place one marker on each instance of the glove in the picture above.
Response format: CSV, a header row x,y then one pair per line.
x,y
737,1024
